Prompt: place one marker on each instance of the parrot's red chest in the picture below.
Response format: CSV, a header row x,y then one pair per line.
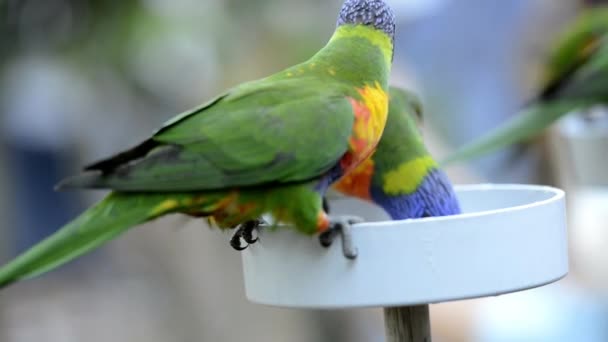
x,y
358,182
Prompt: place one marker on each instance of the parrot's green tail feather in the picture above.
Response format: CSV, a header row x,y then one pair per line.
x,y
524,125
99,224
91,179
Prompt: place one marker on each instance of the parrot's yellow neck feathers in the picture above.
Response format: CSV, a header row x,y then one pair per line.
x,y
408,176
375,37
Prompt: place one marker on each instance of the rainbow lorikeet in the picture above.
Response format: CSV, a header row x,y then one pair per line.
x,y
401,176
576,78
272,145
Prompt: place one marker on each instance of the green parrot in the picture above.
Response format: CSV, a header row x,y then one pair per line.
x,y
270,146
576,78
401,176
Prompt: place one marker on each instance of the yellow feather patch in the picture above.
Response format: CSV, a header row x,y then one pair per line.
x,y
211,222
590,47
370,118
376,37
194,201
408,176
376,100
165,206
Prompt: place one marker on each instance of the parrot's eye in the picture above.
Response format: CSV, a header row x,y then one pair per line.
x,y
417,111
374,13
418,114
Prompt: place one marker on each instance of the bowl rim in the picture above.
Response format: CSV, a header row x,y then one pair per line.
x,y
556,195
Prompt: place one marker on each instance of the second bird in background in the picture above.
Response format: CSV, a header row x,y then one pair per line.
x,y
401,176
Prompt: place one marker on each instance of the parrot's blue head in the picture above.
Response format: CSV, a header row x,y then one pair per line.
x,y
374,13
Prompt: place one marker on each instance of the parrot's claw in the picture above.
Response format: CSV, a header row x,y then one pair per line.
x,y
245,231
325,205
235,242
248,228
341,225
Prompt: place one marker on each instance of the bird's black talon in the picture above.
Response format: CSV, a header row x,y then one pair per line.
x,y
325,205
247,231
248,237
235,241
327,238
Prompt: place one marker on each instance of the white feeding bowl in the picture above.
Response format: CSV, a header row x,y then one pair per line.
x,y
510,238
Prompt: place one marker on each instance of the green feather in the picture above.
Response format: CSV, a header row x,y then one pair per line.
x,y
99,224
406,142
577,80
531,121
253,134
274,137
575,47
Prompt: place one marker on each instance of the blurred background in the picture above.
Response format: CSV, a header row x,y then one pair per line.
x,y
81,79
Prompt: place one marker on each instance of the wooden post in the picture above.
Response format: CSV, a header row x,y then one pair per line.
x,y
407,324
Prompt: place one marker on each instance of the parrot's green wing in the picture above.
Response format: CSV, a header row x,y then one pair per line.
x,y
579,80
588,81
575,48
258,133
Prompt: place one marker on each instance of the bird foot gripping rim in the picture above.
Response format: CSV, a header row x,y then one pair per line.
x,y
341,225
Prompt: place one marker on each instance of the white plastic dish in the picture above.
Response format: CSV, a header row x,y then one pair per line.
x,y
510,238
